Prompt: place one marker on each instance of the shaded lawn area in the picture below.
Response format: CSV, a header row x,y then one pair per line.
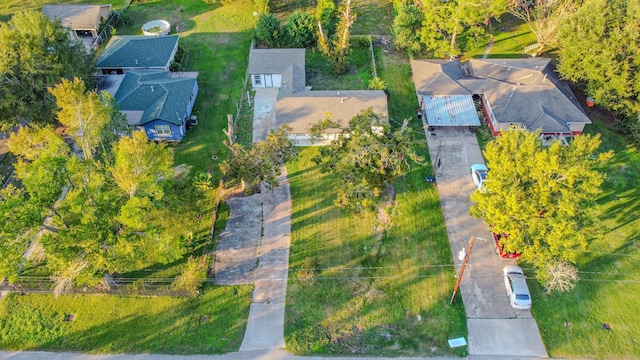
x,y
373,17
212,323
510,37
358,286
571,323
320,75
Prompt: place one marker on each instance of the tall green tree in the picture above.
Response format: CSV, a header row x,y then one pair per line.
x,y
601,49
336,47
83,113
543,197
445,21
326,15
261,163
368,156
36,54
407,24
140,165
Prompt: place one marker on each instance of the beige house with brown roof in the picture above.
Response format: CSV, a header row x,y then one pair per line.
x,y
302,110
82,20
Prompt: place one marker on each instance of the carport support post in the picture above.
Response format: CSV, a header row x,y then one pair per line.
x,y
464,265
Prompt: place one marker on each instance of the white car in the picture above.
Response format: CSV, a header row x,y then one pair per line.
x,y
517,290
479,175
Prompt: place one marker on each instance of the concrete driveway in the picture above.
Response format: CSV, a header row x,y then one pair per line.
x,y
495,328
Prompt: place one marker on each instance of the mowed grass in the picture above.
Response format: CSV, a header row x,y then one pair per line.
x,y
210,324
571,323
510,37
361,286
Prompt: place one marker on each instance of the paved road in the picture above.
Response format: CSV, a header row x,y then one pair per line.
x,y
490,318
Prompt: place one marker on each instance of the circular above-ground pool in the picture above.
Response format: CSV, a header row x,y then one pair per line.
x,y
156,28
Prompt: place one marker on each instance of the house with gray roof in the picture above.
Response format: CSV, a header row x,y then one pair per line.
x,y
300,107
136,52
277,68
303,109
158,102
82,20
524,93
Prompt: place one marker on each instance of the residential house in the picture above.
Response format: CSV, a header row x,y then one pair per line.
x,y
158,102
137,52
300,107
278,68
302,110
525,93
82,20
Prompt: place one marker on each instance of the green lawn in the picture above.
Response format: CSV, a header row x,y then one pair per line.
x,y
572,323
213,323
510,36
357,286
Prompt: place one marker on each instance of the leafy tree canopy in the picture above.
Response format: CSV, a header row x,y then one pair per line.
x,y
368,155
407,25
140,165
300,30
601,48
446,20
261,163
269,31
83,113
543,197
36,54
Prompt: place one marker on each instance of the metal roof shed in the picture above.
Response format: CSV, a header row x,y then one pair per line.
x,y
450,110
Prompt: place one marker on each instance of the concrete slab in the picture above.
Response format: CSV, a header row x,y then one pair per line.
x,y
264,112
270,291
265,328
502,337
237,251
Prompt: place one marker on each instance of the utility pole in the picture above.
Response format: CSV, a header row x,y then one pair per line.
x,y
464,265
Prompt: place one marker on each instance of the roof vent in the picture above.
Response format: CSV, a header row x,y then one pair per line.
x,y
136,61
151,88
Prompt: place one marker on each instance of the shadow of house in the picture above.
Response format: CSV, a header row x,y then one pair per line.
x,y
139,53
82,20
524,93
300,107
158,102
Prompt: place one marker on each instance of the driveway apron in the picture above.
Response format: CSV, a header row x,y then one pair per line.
x,y
495,328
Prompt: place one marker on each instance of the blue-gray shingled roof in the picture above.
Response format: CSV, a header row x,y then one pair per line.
x,y
160,95
136,51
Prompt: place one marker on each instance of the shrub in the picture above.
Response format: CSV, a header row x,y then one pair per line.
x,y
193,276
377,84
300,30
268,30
